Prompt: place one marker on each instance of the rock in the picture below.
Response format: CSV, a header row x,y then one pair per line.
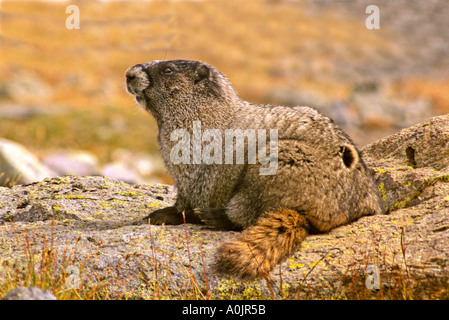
x,y
134,167
145,164
19,166
19,112
375,107
28,294
369,106
423,146
93,224
72,162
121,171
25,86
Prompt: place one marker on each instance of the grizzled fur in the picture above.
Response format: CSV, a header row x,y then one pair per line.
x,y
321,182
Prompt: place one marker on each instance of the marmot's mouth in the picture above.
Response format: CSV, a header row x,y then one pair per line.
x,y
141,100
130,90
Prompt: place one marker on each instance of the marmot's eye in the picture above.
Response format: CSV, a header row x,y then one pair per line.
x,y
168,70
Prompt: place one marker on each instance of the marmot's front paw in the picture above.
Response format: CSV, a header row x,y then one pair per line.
x,y
167,215
216,218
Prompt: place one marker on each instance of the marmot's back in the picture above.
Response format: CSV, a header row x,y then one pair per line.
x,y
319,172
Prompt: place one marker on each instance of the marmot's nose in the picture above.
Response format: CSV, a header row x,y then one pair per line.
x,y
130,77
136,79
131,73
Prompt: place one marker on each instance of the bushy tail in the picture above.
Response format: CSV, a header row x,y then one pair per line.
x,y
262,246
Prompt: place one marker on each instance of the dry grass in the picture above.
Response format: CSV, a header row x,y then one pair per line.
x,y
434,90
39,264
277,44
37,261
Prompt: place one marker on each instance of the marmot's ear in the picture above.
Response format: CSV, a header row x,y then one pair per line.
x,y
202,72
349,156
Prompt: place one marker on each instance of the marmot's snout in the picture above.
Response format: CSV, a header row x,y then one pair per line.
x,y
136,80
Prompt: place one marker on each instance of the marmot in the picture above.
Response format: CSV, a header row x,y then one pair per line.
x,y
319,180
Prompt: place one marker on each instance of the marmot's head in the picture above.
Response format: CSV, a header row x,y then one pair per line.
x,y
161,85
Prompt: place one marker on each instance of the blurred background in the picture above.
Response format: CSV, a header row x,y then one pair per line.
x,y
64,108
